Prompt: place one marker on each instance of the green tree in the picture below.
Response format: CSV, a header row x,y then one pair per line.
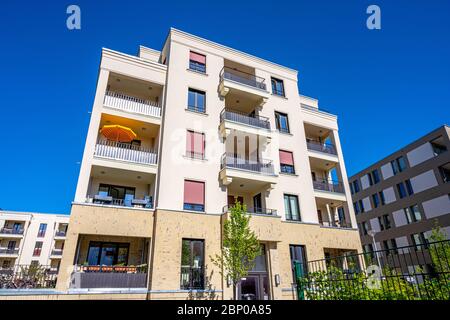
x,y
240,247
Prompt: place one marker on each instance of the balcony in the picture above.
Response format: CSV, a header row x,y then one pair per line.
x,y
233,79
104,199
11,232
329,186
60,234
125,152
231,120
130,104
56,253
9,252
244,170
317,146
257,211
90,277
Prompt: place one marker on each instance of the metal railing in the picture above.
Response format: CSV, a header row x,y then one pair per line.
x,y
243,78
252,210
109,276
59,233
125,152
321,147
11,231
240,117
28,277
9,250
236,162
147,202
329,185
416,272
192,278
132,104
57,252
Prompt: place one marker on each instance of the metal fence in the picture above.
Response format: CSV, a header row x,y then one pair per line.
x,y
418,272
28,277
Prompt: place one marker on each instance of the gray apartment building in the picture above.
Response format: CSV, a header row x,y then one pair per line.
x,y
403,196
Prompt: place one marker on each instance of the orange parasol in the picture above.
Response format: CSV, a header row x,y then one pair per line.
x,y
118,133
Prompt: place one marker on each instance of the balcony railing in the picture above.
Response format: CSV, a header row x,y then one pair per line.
x,y
11,231
251,210
192,278
57,252
236,162
59,233
132,104
109,277
236,116
321,147
125,152
329,185
243,78
9,250
28,277
147,202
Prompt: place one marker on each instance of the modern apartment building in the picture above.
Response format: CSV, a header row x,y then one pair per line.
x,y
175,138
403,196
31,239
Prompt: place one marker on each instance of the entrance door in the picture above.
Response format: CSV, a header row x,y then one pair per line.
x,y
254,287
257,203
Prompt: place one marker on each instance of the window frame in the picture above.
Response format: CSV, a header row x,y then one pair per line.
x,y
194,206
275,90
278,122
196,108
191,285
289,216
195,65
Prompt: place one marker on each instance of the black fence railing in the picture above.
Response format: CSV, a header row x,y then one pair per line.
x,y
11,231
328,185
236,116
321,147
417,272
243,77
192,278
60,233
28,277
254,210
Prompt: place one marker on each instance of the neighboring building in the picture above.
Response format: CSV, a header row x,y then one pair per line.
x,y
191,129
403,196
31,238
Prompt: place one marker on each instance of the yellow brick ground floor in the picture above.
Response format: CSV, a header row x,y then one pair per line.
x,y
155,239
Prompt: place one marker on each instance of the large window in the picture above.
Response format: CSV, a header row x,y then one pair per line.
x,y
277,87
196,100
291,207
197,62
281,121
120,195
195,145
419,241
412,214
37,249
192,264
42,229
107,253
194,195
298,256
398,165
364,228
287,162
376,200
375,176
401,190
356,186
385,222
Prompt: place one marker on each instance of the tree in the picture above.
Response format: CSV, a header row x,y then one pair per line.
x,y
240,247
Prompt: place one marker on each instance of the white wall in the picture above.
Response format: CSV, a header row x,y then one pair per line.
x,y
420,154
424,181
437,206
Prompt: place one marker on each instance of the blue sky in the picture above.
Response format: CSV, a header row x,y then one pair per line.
x,y
387,86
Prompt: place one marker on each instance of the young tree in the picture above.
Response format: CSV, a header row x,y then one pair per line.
x,y
240,247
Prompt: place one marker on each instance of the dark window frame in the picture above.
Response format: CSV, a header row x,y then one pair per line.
x,y
191,285
278,122
276,91
196,107
288,211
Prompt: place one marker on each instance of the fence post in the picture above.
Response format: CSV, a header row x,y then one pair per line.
x,y
299,274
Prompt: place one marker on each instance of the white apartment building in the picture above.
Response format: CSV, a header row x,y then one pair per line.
x,y
176,137
31,239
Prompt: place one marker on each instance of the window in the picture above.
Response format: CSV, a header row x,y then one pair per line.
x,y
361,206
195,145
364,228
298,256
277,87
401,190
341,216
194,195
291,207
383,202
196,100
287,162
107,253
409,187
438,146
6,264
281,121
390,246
120,195
375,176
197,62
398,165
356,186
369,177
445,172
412,214
37,249
419,241
368,248
376,200
34,263
192,264
385,222
11,246
42,229
358,206
352,190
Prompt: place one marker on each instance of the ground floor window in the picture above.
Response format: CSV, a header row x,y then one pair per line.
x,y
192,264
108,253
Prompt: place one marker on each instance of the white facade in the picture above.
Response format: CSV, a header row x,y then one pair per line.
x,y
27,238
